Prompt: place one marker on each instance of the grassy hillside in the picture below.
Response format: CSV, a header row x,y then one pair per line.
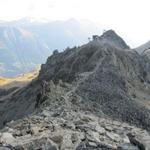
x,y
18,81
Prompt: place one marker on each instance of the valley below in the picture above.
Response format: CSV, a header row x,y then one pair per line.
x,y
18,81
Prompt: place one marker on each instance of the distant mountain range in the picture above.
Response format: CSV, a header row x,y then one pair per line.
x,y
20,51
26,43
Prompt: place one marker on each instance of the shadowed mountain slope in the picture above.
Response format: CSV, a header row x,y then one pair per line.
x,y
98,76
95,96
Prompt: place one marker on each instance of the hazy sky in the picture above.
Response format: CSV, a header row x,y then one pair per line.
x,y
130,18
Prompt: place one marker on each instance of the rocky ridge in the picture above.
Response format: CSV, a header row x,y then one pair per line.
x,y
112,38
91,97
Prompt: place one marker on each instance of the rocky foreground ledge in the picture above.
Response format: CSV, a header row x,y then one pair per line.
x,y
68,130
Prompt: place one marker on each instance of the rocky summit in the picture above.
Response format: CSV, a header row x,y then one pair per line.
x,y
92,97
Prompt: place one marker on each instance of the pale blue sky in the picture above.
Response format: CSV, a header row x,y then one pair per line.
x,y
130,18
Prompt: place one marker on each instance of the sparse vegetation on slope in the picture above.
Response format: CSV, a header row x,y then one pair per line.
x,y
19,81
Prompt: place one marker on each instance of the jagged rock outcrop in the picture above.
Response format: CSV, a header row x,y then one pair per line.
x,y
72,131
103,78
112,78
112,38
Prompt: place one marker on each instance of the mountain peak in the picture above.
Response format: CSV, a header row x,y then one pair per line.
x,y
115,39
109,33
112,38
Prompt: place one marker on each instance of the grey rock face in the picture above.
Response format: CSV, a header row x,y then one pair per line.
x,y
103,78
53,133
83,99
112,38
111,78
143,47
